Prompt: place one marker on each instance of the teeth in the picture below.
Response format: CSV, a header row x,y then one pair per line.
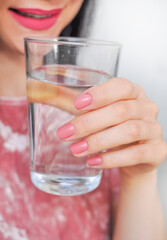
x,y
32,15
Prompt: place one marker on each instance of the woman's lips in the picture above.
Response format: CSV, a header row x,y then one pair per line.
x,y
35,19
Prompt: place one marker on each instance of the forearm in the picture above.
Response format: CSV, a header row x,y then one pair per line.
x,y
139,214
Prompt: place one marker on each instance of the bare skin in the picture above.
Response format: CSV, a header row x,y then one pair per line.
x,y
133,139
126,125
12,60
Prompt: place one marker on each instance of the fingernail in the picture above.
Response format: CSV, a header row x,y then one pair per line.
x,y
79,147
83,101
94,161
65,131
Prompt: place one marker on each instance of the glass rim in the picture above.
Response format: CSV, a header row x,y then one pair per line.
x,y
71,41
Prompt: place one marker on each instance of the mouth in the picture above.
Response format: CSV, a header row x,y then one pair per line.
x,y
35,19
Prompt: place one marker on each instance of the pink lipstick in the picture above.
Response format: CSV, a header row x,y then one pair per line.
x,y
35,19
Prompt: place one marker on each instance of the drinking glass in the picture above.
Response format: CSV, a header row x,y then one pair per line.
x,y
57,71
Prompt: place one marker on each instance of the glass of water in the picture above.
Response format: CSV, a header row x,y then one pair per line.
x,y
57,71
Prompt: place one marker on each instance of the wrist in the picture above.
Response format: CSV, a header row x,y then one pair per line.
x,y
142,181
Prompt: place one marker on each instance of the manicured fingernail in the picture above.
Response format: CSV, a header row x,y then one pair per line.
x,y
65,131
94,161
79,147
83,101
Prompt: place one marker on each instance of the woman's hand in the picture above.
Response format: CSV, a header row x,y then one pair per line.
x,y
118,128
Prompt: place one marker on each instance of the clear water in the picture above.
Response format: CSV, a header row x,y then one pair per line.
x,y
51,93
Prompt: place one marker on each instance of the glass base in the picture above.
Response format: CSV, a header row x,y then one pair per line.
x,y
65,186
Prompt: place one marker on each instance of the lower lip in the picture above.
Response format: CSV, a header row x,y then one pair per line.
x,y
36,24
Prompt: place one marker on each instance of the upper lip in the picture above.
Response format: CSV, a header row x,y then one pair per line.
x,y
37,11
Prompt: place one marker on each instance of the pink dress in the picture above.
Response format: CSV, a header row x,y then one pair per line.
x,y
27,213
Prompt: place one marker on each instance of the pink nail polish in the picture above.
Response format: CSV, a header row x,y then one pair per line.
x,y
83,101
94,161
79,147
65,131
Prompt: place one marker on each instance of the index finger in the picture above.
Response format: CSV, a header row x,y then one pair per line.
x,y
116,89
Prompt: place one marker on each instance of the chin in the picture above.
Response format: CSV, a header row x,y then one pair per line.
x,y
26,22
31,22
17,43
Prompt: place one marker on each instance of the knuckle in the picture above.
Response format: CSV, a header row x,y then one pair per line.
x,y
141,89
96,142
159,130
134,130
127,86
122,109
155,109
138,155
84,123
163,150
160,152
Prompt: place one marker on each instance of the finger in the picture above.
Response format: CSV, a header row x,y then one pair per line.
x,y
114,90
150,154
53,95
116,113
123,134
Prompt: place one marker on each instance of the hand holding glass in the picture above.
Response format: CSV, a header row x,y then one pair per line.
x,y
58,70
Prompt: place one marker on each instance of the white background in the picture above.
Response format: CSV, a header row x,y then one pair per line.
x,y
141,26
